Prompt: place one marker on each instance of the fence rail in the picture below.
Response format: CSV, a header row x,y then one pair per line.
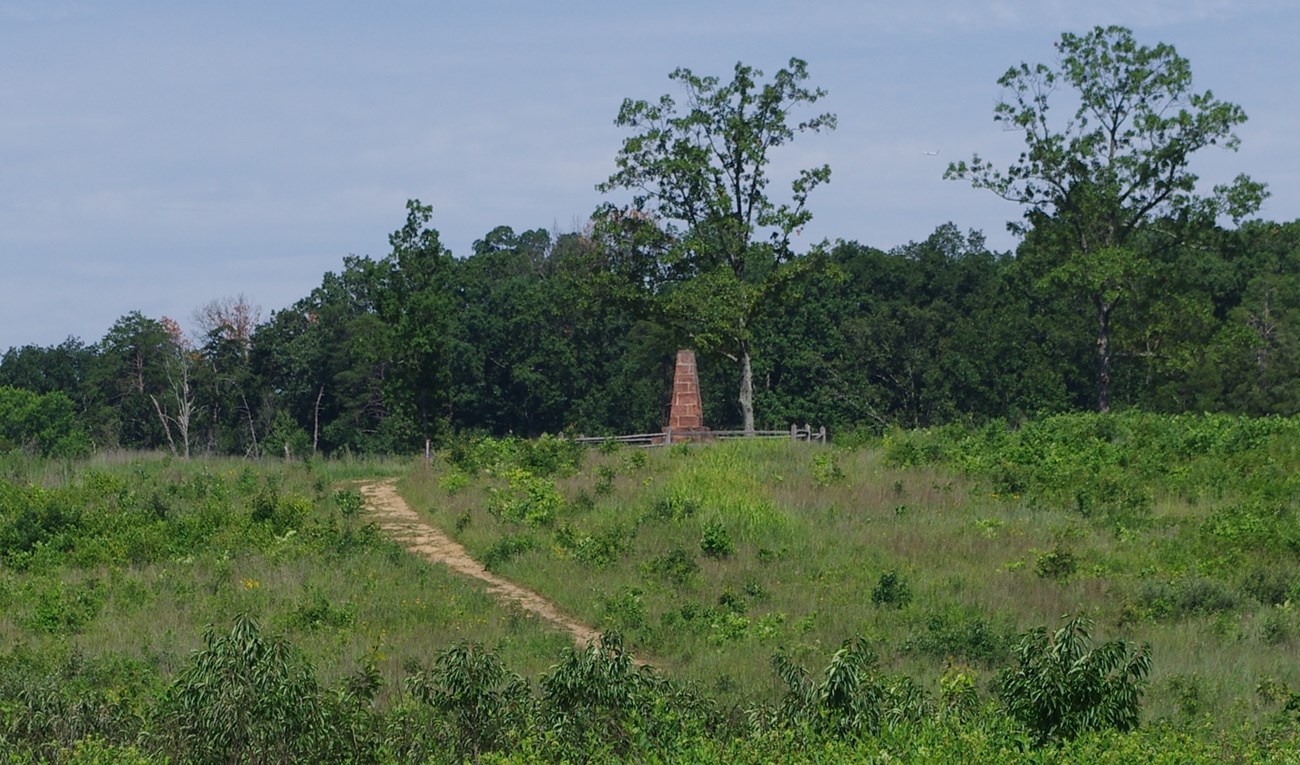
x,y
667,436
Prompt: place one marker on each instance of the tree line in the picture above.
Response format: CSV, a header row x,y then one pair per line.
x,y
1126,289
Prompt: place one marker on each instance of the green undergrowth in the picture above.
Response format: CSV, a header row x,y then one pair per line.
x,y
938,546
898,601
122,562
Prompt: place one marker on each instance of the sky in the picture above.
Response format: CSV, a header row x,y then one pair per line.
x,y
155,156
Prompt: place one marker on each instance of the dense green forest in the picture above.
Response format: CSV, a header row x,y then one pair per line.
x,y
535,334
1127,290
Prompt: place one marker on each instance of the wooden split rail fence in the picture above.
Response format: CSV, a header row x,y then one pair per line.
x,y
666,436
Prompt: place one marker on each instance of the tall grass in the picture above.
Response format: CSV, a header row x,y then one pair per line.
x,y
991,531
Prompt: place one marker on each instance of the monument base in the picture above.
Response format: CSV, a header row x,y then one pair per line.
x,y
686,435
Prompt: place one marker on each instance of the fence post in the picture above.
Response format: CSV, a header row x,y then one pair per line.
x,y
668,436
821,434
794,431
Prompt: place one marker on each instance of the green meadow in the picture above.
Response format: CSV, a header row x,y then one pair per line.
x,y
795,602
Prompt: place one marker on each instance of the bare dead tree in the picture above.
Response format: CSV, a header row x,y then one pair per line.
x,y
231,318
182,395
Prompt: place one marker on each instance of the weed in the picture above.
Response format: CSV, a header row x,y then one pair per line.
x,y
506,549
891,590
675,567
826,469
716,542
349,502
1057,564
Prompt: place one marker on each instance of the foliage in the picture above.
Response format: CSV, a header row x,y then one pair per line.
x,y
44,424
526,499
846,703
243,698
487,704
596,696
716,542
1062,687
1112,186
1058,564
545,457
891,590
705,168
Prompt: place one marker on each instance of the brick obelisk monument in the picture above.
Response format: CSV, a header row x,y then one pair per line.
x,y
686,418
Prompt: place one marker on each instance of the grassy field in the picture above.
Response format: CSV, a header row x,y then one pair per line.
x,y
937,549
712,558
127,558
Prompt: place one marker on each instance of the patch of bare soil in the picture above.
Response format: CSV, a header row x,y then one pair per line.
x,y
396,519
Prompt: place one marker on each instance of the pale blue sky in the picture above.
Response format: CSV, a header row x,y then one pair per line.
x,y
157,155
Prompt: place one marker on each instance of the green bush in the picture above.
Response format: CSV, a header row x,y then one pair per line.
x,y
506,549
956,635
349,502
1061,687
675,567
1057,564
826,469
716,542
243,698
891,590
598,549
487,705
527,498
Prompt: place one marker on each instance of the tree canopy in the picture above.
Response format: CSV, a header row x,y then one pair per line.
x,y
701,171
1112,184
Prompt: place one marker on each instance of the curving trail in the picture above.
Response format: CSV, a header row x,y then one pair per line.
x,y
396,519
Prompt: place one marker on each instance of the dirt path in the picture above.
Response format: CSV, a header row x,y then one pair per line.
x,y
396,519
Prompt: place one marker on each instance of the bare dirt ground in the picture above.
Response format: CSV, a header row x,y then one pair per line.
x,y
396,519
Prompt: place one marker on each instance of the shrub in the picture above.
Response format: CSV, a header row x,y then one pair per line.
x,y
625,611
676,566
1061,687
673,507
970,638
486,703
316,612
1193,595
349,502
826,469
243,698
847,703
506,549
598,549
891,590
454,482
595,696
527,499
716,542
1057,564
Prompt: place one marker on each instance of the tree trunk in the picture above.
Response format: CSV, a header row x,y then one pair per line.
x,y
1103,356
315,421
746,390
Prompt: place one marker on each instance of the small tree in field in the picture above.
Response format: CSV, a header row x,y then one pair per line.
x,y
1060,687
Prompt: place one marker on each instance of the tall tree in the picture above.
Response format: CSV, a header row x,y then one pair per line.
x,y
130,369
416,302
701,170
1113,183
